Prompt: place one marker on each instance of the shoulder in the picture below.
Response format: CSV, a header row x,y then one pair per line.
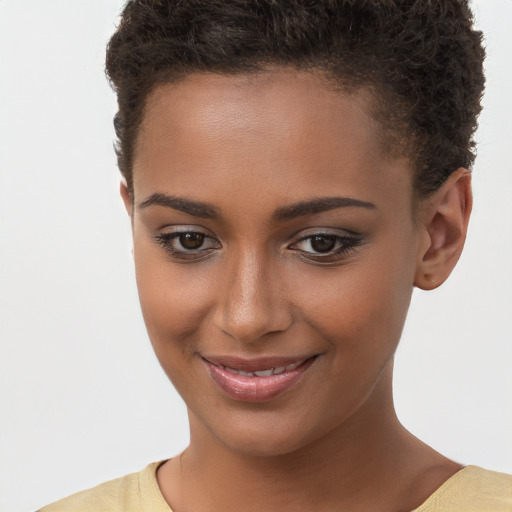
x,y
472,489
131,493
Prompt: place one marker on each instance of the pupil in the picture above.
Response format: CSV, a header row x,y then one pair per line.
x,y
323,243
191,240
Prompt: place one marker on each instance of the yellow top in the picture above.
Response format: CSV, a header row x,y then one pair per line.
x,y
472,489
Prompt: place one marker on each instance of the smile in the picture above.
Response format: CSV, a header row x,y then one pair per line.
x,y
276,370
256,380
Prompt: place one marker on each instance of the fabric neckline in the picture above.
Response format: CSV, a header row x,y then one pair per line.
x,y
445,486
152,496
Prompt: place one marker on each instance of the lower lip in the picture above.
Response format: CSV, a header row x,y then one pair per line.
x,y
256,389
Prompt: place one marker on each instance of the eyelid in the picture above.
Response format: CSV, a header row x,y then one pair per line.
x,y
336,232
185,228
348,241
166,236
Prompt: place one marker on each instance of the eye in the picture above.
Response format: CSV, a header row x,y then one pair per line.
x,y
321,243
326,246
187,244
191,241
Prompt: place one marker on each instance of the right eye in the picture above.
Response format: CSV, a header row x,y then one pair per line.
x,y
187,245
191,241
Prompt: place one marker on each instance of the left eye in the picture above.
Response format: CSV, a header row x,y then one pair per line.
x,y
319,243
324,244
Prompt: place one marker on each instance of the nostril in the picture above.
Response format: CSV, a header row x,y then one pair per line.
x,y
251,302
249,326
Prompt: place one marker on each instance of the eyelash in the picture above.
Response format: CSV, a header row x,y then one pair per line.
x,y
343,245
166,240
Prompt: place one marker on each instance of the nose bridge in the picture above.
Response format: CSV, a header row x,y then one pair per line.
x,y
252,302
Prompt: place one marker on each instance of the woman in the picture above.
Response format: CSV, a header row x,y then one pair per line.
x,y
292,170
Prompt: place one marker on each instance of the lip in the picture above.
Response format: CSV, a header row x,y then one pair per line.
x,y
256,388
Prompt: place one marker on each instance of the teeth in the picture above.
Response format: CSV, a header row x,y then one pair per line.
x,y
293,366
264,373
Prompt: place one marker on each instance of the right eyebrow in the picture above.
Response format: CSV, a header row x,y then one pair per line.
x,y
182,204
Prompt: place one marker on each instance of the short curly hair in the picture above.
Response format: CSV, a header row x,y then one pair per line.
x,y
422,60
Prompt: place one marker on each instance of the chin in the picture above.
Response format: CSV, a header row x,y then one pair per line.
x,y
261,434
263,446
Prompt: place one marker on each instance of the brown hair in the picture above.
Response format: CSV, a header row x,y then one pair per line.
x,y
421,59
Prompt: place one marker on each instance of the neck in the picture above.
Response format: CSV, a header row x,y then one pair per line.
x,y
367,463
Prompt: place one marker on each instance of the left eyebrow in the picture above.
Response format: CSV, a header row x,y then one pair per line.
x,y
319,205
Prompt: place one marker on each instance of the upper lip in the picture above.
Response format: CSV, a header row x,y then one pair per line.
x,y
255,364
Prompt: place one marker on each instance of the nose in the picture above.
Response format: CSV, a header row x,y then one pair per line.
x,y
252,301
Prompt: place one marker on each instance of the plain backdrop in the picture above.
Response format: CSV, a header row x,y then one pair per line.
x,y
83,398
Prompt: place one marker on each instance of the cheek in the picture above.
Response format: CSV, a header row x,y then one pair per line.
x,y
361,308
174,299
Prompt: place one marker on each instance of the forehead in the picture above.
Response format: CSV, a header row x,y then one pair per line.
x,y
267,101
291,130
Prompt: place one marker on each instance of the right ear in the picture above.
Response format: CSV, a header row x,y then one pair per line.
x,y
126,197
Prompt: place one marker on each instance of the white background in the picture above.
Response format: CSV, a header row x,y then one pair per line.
x,y
83,399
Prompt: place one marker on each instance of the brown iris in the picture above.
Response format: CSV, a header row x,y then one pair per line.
x,y
323,243
191,241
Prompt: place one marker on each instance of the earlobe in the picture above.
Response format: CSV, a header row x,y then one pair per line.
x,y
445,220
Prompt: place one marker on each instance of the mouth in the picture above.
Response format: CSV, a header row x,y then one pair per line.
x,y
256,380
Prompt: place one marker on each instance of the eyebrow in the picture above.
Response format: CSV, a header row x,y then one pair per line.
x,y
302,208
318,206
195,208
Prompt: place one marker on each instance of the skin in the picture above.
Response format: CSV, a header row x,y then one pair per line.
x,y
250,146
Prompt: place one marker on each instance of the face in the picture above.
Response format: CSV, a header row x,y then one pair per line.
x,y
275,254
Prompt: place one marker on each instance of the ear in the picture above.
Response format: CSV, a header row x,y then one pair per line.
x,y
126,197
444,219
